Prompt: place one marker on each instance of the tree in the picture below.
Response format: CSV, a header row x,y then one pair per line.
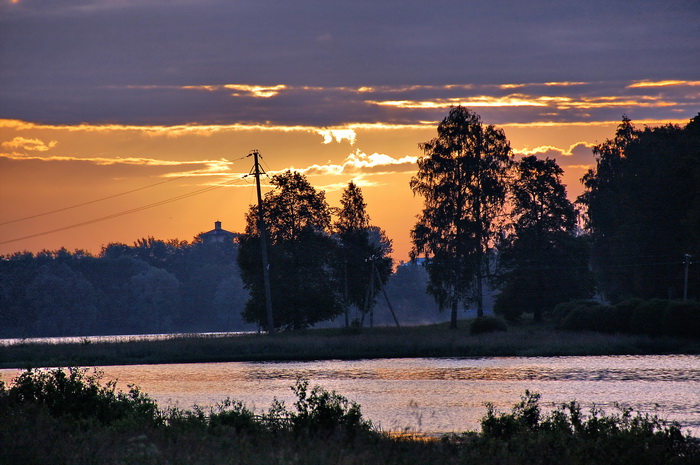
x,y
302,256
462,178
642,203
61,302
364,249
541,262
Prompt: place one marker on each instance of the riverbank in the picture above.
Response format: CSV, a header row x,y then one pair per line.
x,y
325,344
82,420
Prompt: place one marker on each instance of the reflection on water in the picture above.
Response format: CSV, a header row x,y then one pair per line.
x,y
114,338
436,395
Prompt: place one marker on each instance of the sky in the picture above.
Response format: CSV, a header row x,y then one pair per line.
x,y
123,119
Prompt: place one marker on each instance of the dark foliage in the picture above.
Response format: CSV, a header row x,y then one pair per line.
x,y
363,256
541,261
302,256
682,319
79,396
153,286
80,421
642,203
566,435
655,317
462,181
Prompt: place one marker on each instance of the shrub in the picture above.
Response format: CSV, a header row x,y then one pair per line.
x,y
77,394
566,435
621,315
578,319
508,304
647,317
322,412
682,318
487,324
563,309
235,415
588,318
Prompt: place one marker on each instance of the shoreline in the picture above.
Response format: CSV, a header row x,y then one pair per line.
x,y
524,340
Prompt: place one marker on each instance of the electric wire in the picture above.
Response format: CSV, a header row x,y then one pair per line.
x,y
125,212
17,220
122,213
90,202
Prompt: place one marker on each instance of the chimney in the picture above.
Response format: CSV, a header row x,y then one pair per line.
x,y
217,225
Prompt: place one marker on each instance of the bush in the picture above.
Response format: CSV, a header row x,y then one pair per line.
x,y
682,318
566,435
589,318
508,304
563,309
234,415
77,394
647,317
621,315
323,412
487,324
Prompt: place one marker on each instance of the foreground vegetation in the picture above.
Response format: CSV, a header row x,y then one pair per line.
x,y
82,421
524,339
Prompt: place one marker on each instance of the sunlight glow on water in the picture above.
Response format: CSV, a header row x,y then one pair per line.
x,y
435,395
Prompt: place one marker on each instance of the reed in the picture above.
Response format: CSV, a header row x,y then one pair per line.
x,y
81,421
319,344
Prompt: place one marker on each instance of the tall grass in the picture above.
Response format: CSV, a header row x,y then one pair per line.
x,y
58,417
421,341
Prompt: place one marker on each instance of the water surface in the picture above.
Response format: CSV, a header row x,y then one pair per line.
x,y
435,395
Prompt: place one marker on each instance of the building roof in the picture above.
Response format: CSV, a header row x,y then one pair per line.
x,y
218,234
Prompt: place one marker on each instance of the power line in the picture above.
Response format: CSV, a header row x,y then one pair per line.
x,y
123,213
88,203
17,220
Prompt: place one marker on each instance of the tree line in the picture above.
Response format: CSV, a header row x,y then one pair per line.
x,y
320,267
489,217
152,286
488,221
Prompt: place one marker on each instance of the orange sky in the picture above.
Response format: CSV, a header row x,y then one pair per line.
x,y
134,109
44,168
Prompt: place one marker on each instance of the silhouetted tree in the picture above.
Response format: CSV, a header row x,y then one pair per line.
x,y
362,247
302,256
541,261
642,203
462,178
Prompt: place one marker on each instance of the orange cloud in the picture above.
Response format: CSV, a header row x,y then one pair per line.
x,y
329,135
360,162
32,145
667,83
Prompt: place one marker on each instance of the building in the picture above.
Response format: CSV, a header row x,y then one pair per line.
x,y
218,235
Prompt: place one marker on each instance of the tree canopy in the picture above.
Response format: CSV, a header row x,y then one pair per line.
x,y
301,256
462,179
364,256
542,261
642,204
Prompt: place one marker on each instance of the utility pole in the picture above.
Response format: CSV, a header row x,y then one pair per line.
x,y
686,260
257,169
386,297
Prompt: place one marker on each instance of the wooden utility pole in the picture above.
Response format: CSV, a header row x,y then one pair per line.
x,y
386,297
686,261
257,169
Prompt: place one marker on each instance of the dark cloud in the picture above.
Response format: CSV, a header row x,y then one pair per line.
x,y
74,60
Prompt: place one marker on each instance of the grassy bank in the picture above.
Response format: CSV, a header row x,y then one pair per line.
x,y
81,421
421,341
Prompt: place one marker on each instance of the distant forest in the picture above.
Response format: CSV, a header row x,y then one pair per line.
x,y
633,233
155,286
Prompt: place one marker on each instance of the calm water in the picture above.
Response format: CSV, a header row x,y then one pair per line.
x,y
435,395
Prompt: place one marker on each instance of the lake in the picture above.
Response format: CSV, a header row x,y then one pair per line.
x,y
435,395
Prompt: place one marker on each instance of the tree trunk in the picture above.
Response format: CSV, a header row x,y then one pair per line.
x,y
453,314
